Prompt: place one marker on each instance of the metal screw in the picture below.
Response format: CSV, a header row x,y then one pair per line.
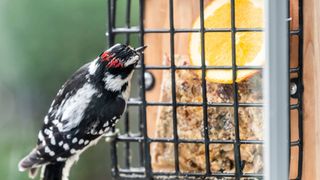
x,y
293,88
148,80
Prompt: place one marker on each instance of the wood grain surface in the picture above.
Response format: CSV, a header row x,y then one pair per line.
x,y
311,163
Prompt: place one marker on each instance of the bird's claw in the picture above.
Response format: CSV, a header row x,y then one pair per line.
x,y
111,135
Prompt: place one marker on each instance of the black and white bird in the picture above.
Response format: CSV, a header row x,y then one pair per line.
x,y
87,106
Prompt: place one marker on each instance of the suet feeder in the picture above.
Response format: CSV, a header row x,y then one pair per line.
x,y
192,127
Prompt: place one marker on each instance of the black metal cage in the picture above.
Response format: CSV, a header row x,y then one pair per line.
x,y
131,151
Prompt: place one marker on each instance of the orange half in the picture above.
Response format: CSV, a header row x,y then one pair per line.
x,y
218,45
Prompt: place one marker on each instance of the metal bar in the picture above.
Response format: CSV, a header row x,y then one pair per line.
x,y
199,67
191,175
141,130
294,106
184,30
295,143
300,96
276,88
173,90
120,30
147,163
237,153
127,153
111,22
295,70
204,91
210,104
295,32
128,25
141,125
170,140
111,10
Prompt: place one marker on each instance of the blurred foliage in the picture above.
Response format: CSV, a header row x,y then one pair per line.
x,y
42,44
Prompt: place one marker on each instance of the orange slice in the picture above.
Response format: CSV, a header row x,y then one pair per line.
x,y
218,45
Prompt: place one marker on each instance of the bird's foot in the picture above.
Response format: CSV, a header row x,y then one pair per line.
x,y
111,135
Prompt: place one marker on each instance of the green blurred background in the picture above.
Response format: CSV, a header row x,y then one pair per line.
x,y
42,43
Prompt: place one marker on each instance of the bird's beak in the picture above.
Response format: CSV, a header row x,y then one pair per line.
x,y
141,49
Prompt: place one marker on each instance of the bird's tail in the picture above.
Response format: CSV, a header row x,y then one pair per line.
x,y
31,163
58,170
54,171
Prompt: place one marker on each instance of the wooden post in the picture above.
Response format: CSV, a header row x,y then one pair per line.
x,y
311,160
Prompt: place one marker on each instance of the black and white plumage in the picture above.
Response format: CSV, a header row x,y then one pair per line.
x,y
85,108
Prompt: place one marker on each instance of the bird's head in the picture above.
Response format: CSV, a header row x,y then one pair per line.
x,y
121,56
115,66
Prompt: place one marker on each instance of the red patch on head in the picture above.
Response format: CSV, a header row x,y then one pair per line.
x,y
112,61
115,63
106,56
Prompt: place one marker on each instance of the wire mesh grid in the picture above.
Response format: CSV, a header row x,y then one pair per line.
x,y
128,163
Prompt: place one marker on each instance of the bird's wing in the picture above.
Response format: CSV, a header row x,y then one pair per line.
x,y
76,81
49,128
66,96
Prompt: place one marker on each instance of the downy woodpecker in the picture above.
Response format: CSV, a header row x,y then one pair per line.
x,y
87,106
